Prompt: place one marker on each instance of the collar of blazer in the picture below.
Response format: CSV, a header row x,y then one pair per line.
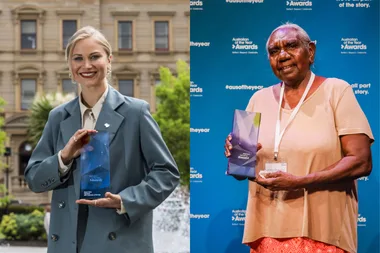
x,y
109,120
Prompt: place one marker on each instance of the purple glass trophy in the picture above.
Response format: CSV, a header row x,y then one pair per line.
x,y
245,132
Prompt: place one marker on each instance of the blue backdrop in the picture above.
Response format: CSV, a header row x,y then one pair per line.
x,y
229,63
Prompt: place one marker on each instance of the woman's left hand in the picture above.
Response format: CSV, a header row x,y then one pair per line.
x,y
279,181
110,201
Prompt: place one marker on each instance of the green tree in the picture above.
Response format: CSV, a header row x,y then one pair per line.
x,y
23,226
41,107
173,115
4,199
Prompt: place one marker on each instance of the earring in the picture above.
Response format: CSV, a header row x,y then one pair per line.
x,y
71,77
109,71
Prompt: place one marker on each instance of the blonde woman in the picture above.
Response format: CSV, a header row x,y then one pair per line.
x,y
143,172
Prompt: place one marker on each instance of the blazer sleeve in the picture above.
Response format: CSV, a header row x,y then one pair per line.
x,y
42,173
163,176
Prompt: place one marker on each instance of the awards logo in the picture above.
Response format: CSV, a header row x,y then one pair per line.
x,y
299,5
195,176
196,5
352,46
362,221
238,217
195,90
244,46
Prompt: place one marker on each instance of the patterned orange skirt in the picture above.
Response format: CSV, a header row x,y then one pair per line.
x,y
292,245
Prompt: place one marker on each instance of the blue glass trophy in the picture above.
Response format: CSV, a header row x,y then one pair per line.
x,y
95,167
245,132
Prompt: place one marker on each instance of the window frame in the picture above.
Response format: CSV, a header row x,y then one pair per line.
x,y
63,15
36,35
35,91
162,16
127,73
125,16
68,78
118,35
28,12
168,37
61,75
133,86
63,47
27,72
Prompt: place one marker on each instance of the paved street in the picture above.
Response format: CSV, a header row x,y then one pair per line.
x,y
12,249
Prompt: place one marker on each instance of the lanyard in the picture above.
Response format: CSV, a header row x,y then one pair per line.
x,y
278,135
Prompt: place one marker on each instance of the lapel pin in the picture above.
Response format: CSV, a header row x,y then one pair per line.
x,y
106,125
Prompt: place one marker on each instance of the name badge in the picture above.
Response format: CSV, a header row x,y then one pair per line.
x,y
274,166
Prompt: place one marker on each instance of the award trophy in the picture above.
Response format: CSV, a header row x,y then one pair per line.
x,y
95,167
242,161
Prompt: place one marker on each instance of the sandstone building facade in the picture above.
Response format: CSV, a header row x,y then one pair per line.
x,y
144,34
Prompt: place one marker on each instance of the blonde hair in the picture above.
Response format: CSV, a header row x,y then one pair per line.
x,y
84,33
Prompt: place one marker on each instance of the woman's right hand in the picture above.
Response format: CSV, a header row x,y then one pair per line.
x,y
228,146
74,146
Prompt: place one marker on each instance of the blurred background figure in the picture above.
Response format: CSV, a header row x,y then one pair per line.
x,y
47,219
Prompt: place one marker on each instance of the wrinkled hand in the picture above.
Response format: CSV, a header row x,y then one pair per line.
x,y
228,146
74,146
110,201
278,181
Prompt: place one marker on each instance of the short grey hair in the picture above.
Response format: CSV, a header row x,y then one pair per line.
x,y
302,34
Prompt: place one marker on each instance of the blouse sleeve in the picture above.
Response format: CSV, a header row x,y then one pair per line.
x,y
349,117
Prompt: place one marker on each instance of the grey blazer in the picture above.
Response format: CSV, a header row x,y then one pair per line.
x,y
143,172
